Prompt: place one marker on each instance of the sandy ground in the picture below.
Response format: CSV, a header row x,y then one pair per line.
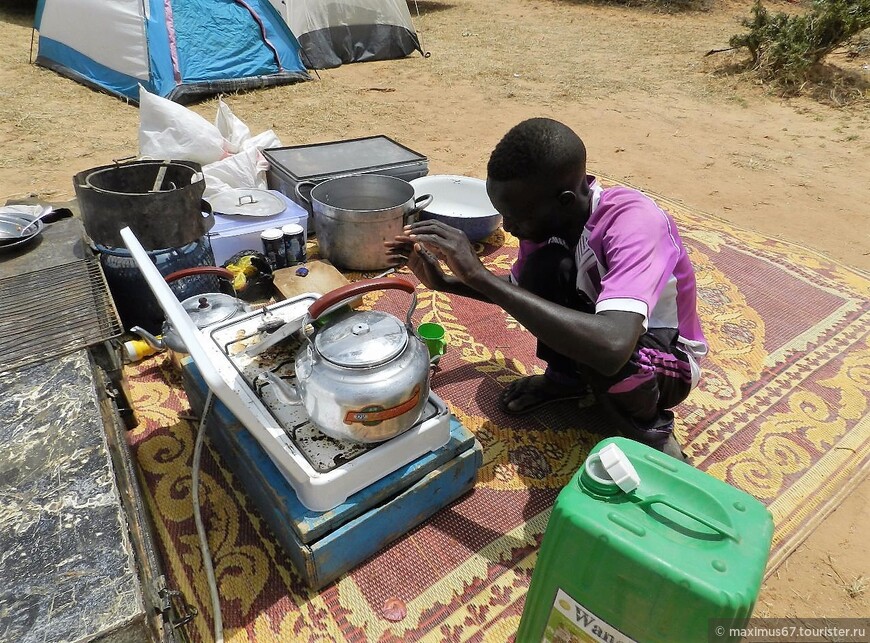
x,y
652,109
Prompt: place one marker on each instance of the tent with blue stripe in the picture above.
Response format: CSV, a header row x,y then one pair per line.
x,y
182,50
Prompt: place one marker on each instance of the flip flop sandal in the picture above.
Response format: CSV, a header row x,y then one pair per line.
x,y
534,406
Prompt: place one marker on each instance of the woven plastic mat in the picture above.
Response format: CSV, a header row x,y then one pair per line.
x,y
782,413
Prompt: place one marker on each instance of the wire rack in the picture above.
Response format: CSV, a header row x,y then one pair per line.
x,y
53,311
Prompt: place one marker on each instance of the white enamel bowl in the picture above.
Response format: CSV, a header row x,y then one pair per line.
x,y
459,201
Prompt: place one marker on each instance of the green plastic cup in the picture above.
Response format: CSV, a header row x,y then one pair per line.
x,y
433,336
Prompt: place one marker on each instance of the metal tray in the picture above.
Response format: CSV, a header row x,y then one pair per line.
x,y
336,158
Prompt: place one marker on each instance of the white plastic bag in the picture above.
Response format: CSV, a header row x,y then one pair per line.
x,y
168,130
236,171
229,155
233,130
245,169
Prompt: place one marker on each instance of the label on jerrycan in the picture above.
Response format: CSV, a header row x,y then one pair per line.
x,y
570,621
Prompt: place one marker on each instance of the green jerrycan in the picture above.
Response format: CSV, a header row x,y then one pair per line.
x,y
642,548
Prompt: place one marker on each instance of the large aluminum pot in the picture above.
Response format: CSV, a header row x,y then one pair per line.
x,y
355,214
364,375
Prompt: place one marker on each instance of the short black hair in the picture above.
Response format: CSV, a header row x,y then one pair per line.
x,y
537,147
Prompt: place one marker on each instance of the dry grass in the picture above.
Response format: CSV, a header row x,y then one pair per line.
x,y
855,587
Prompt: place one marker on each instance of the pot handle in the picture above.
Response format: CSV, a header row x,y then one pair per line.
x,y
307,199
207,214
340,296
411,215
199,270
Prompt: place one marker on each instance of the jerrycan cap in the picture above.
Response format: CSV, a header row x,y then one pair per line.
x,y
609,467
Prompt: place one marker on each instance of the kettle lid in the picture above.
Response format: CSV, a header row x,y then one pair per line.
x,y
361,339
211,308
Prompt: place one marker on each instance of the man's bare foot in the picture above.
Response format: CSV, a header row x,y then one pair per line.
x,y
530,393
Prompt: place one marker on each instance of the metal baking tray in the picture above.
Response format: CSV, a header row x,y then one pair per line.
x,y
371,154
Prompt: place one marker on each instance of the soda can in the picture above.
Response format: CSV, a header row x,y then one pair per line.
x,y
294,243
273,247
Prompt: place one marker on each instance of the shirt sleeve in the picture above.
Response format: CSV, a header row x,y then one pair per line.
x,y
639,253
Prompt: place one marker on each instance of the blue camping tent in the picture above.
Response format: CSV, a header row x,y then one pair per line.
x,y
178,49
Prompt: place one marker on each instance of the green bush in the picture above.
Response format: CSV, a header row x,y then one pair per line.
x,y
785,47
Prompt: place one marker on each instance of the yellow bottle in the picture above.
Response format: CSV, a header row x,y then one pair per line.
x,y
137,349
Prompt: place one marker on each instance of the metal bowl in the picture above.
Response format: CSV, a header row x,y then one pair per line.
x,y
459,201
12,223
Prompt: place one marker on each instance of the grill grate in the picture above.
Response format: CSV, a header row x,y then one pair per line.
x,y
53,311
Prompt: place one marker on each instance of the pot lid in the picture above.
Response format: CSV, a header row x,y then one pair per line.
x,y
361,339
247,202
210,308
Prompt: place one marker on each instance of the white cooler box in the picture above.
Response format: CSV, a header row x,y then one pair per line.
x,y
234,233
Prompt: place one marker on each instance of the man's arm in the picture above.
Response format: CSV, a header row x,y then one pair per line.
x,y
602,341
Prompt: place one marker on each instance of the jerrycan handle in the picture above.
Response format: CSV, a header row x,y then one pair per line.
x,y
715,525
614,467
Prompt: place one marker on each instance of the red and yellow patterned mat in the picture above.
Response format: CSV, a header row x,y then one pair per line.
x,y
782,413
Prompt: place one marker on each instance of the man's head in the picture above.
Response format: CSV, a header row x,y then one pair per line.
x,y
536,178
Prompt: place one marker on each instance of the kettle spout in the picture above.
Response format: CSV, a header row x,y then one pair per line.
x,y
151,340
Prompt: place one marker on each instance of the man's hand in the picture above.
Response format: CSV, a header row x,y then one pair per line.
x,y
433,240
421,245
423,263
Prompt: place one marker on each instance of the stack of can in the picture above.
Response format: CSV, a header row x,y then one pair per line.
x,y
285,246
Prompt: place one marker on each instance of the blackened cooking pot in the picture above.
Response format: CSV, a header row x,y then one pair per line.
x,y
160,201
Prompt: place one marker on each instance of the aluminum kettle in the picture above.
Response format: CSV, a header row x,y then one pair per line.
x,y
204,309
362,376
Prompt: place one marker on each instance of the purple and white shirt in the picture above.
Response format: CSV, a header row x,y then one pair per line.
x,y
630,257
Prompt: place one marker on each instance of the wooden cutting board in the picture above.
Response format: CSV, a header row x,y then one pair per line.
x,y
321,278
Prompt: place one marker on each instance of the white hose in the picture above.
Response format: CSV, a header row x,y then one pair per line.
x,y
200,529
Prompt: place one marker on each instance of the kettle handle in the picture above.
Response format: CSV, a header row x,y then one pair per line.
x,y
199,270
336,298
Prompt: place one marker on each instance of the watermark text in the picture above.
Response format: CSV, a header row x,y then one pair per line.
x,y
790,630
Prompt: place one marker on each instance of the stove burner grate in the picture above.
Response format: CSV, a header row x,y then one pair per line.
x,y
322,452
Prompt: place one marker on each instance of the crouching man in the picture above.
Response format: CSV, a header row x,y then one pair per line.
x,y
602,280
